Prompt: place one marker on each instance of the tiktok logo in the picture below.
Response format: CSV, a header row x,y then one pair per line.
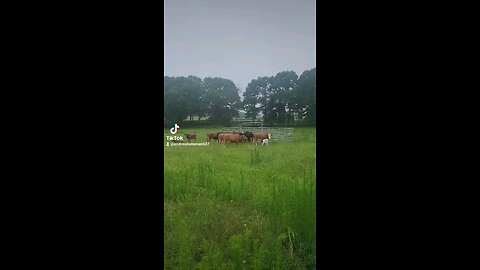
x,y
174,129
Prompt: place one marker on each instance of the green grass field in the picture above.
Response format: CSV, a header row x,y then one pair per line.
x,y
240,206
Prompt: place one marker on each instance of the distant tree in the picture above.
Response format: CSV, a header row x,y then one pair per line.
x,y
183,98
254,97
194,92
222,100
280,97
305,96
175,101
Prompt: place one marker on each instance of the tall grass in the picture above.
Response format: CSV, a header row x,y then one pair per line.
x,y
241,206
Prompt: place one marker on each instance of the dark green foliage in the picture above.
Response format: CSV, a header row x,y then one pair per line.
x,y
305,96
215,98
221,97
283,100
182,97
255,97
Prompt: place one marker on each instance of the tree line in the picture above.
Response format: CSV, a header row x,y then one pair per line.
x,y
283,99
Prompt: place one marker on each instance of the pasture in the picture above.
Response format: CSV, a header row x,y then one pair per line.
x,y
241,206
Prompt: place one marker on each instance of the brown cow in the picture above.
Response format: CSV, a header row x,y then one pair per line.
x,y
212,136
257,137
234,138
191,136
222,136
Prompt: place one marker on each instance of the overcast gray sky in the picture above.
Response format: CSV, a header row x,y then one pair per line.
x,y
238,40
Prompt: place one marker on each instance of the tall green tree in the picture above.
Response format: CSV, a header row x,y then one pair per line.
x,y
280,97
183,98
305,96
255,97
175,101
194,90
222,99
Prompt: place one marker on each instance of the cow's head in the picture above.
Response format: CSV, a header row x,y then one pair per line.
x,y
269,136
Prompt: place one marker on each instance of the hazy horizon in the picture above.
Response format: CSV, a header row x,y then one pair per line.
x,y
238,40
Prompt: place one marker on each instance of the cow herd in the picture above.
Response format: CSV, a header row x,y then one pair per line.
x,y
233,137
238,137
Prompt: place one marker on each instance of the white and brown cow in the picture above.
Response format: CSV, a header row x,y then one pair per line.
x,y
261,137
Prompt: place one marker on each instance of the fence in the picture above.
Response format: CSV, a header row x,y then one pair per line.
x,y
278,134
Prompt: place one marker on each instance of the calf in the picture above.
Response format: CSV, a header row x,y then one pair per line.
x,y
265,142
